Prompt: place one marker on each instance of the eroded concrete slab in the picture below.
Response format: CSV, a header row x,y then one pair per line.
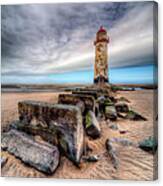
x,y
60,124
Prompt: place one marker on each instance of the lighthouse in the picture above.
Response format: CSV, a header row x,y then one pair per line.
x,y
101,57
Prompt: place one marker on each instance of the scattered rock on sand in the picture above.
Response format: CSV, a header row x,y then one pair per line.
x,y
121,107
123,131
92,125
100,101
149,145
122,141
113,126
42,157
132,115
110,112
93,158
112,153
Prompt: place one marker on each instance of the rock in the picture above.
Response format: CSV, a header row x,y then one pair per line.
x,y
45,158
132,115
112,153
3,160
103,102
101,99
149,145
110,112
101,106
113,126
84,92
123,141
91,125
121,107
108,102
112,145
93,158
123,131
85,102
59,124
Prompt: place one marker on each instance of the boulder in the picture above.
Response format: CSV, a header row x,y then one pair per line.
x,y
85,102
93,158
149,145
101,107
110,112
121,107
112,153
113,126
92,125
112,146
44,158
132,115
103,102
123,141
59,124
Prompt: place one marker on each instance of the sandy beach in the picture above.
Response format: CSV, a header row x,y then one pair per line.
x,y
135,164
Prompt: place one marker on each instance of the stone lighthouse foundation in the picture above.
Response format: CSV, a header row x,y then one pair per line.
x,y
101,57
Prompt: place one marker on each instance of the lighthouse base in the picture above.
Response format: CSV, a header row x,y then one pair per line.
x,y
101,79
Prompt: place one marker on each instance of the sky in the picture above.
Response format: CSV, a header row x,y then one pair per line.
x,y
53,43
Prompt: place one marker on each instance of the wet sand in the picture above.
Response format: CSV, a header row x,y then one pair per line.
x,y
135,164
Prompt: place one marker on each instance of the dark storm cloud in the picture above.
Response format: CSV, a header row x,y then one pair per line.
x,y
43,39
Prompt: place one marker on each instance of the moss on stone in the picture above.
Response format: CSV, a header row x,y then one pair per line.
x,y
88,120
134,116
108,102
131,113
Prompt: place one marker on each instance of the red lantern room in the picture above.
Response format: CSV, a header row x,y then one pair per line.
x,y
101,29
101,36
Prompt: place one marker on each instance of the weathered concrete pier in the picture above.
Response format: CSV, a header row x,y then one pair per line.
x,y
65,125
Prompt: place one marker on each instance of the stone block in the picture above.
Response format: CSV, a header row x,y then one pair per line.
x,y
60,124
43,157
132,115
92,125
86,92
85,102
121,107
110,112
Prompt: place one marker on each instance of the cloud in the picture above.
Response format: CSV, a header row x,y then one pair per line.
x,y
58,38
